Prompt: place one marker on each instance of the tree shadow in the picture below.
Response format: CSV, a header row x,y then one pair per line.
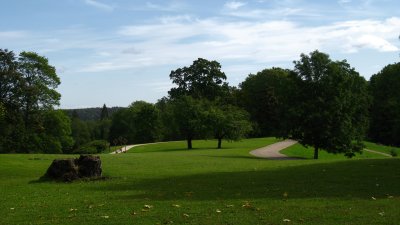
x,y
349,179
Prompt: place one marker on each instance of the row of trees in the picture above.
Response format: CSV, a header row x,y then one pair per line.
x,y
320,102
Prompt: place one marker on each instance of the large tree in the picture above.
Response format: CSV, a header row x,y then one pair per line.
x,y
202,79
227,122
139,123
27,91
264,96
189,116
330,106
385,110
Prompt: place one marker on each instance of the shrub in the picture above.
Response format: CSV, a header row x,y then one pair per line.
x,y
93,147
393,152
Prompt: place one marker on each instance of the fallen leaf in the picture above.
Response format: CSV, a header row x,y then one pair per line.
x,y
373,198
381,213
12,208
185,215
105,217
218,211
133,213
71,210
286,220
390,196
147,206
285,194
176,206
229,206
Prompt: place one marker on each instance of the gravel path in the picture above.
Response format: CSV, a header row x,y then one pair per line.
x,y
273,151
125,149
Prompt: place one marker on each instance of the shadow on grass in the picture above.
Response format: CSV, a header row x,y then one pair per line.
x,y
345,179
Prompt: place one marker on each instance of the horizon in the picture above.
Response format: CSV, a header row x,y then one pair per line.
x,y
117,52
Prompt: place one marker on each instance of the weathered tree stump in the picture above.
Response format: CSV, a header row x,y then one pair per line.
x,y
86,166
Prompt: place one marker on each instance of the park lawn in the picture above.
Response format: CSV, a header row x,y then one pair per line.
x,y
203,186
382,148
299,151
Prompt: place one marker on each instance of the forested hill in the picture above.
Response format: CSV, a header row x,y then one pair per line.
x,y
88,114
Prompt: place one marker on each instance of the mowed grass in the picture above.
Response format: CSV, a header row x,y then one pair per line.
x,y
299,151
204,186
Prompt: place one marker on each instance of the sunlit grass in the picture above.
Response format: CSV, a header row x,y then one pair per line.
x,y
203,186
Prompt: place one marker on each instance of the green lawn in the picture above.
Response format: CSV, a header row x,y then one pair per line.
x,y
382,148
300,151
204,186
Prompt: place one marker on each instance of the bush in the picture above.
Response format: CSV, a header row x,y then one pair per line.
x,y
393,152
93,147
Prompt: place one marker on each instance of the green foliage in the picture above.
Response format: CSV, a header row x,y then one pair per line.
x,y
80,132
104,113
264,95
331,110
227,122
57,132
93,147
169,128
28,93
190,118
385,109
139,123
202,79
91,114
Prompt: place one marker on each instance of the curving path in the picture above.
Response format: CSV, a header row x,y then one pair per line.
x,y
124,149
273,151
379,153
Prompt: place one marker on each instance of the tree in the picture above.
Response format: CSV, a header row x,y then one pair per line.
x,y
139,123
79,132
331,105
227,122
385,109
27,91
56,137
39,83
203,79
189,116
264,95
104,113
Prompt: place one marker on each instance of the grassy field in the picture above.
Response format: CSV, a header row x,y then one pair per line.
x,y
300,151
166,184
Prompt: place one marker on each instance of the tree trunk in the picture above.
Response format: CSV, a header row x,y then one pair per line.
x,y
316,152
189,143
219,143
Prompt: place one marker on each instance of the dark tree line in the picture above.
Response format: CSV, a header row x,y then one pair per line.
x,y
321,103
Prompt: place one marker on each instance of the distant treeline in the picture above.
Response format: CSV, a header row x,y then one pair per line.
x,y
90,114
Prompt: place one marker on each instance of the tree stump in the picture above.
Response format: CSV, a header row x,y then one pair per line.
x,y
86,166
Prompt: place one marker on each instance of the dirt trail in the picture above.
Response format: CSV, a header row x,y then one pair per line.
x,y
273,151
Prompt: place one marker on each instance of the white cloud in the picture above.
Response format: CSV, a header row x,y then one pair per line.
x,y
100,5
234,5
178,41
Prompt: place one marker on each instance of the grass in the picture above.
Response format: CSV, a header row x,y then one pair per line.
x,y
300,151
382,148
204,186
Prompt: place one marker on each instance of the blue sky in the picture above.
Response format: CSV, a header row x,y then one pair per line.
x,y
117,52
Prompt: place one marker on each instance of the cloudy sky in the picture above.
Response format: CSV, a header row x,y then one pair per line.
x,y
120,51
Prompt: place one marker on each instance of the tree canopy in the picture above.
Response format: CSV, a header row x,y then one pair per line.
x,y
202,79
331,105
385,109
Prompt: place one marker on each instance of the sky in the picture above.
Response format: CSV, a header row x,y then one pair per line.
x,y
115,52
